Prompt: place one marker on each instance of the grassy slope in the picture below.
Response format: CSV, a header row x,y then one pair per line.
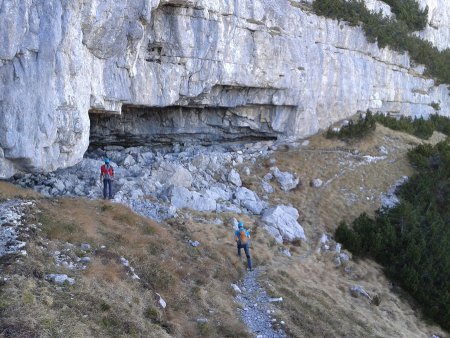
x,y
195,282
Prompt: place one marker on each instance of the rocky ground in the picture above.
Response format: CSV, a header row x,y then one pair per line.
x,y
157,184
256,309
14,229
295,191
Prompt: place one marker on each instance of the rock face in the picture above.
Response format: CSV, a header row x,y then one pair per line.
x,y
127,70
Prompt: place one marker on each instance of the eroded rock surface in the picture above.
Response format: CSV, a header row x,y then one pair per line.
x,y
264,68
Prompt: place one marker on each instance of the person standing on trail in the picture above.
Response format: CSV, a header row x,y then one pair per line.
x,y
107,176
242,237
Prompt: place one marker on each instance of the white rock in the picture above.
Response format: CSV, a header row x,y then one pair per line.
x,y
60,279
390,199
202,320
268,177
85,260
85,246
286,180
228,207
316,183
324,239
124,261
173,174
286,252
194,243
128,161
183,198
161,301
219,192
267,187
236,288
344,257
383,150
234,178
357,290
250,200
281,222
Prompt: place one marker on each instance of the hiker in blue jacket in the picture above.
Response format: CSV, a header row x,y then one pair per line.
x,y
242,237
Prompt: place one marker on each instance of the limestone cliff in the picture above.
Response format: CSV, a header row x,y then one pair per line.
x,y
212,67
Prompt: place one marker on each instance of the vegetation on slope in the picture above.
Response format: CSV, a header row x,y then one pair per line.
x,y
409,12
412,240
354,130
105,301
419,127
395,33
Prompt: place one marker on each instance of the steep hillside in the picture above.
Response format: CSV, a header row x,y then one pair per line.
x,y
130,260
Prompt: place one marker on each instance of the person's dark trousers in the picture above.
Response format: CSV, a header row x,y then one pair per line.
x,y
107,189
247,253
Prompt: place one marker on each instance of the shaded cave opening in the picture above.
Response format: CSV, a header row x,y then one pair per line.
x,y
177,125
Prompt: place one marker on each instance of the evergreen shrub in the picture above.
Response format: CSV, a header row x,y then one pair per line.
x,y
354,130
392,33
412,240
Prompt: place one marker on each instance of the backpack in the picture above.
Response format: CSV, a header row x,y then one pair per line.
x,y
243,239
109,172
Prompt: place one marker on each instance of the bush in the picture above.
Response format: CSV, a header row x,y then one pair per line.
x,y
418,126
349,238
412,240
395,33
409,12
352,130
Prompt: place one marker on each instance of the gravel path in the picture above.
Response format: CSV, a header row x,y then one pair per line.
x,y
257,310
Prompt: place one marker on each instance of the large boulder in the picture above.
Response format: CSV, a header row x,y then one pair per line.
x,y
281,222
234,178
183,198
172,174
286,180
250,200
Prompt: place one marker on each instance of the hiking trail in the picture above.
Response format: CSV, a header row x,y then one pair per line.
x,y
257,310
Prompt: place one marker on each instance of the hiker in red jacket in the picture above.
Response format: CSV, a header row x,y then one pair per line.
x,y
107,176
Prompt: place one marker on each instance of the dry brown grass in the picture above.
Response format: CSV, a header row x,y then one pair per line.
x,y
105,301
195,282
8,190
351,185
317,302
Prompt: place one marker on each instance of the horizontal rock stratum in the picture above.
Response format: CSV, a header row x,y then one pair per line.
x,y
216,67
